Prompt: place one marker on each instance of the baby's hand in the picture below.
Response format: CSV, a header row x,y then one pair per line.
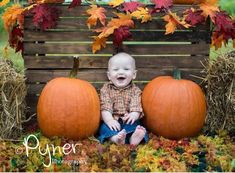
x,y
131,117
114,125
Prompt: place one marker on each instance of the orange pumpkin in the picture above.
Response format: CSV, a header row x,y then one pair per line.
x,y
188,1
68,107
174,108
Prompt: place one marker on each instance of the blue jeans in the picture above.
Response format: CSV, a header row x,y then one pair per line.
x,y
105,132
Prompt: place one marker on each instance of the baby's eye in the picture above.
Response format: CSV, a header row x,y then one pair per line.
x,y
115,69
126,69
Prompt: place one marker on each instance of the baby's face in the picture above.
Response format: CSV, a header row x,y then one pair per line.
x,y
121,71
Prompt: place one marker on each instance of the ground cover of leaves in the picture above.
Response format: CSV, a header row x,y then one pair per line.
x,y
202,153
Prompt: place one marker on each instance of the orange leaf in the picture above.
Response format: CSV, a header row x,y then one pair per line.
x,y
173,21
107,31
142,13
98,44
217,42
4,2
12,15
96,13
116,3
123,20
209,8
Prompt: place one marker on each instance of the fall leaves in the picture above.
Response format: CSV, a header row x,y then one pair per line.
x,y
117,27
120,30
199,154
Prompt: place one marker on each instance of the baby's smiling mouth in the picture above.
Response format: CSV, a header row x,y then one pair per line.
x,y
121,78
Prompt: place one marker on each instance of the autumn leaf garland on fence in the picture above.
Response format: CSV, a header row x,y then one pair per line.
x,y
191,18
118,28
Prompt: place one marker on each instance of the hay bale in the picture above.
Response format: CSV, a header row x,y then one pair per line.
x,y
220,90
12,101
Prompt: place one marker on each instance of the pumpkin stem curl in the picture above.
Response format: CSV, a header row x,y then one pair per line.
x,y
74,71
177,74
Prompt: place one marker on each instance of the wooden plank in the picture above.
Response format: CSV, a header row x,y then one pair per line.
x,y
81,10
95,75
80,23
186,36
34,89
45,62
78,48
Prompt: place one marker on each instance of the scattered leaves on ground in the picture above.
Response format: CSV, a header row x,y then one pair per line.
x,y
202,153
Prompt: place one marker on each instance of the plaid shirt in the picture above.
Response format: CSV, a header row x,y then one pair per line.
x,y
119,101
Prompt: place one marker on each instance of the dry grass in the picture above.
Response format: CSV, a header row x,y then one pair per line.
x,y
12,100
220,86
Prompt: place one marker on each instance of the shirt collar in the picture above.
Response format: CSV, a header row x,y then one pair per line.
x,y
128,86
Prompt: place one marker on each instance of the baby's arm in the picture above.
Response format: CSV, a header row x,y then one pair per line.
x,y
107,109
110,121
135,107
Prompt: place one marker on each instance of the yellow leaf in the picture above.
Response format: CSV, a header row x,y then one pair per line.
x,y
116,3
98,44
13,15
96,13
4,2
143,14
209,8
173,21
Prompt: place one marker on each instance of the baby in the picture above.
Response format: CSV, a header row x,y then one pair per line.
x,y
121,103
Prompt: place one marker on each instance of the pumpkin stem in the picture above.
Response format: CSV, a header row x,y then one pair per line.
x,y
177,74
74,71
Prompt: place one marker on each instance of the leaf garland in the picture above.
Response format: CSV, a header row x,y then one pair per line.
x,y
46,17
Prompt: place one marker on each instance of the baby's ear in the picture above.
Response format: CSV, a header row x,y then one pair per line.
x,y
108,74
134,74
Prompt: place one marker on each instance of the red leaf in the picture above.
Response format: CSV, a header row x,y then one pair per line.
x,y
223,22
193,17
224,29
45,16
120,34
163,3
131,6
75,3
16,38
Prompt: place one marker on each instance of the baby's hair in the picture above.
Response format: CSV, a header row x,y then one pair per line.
x,y
123,54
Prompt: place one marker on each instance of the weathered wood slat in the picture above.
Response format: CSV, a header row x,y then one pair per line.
x,y
186,36
80,23
75,48
81,10
44,62
34,89
95,75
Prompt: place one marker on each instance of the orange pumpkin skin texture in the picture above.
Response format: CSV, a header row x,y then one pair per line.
x,y
188,1
68,107
173,108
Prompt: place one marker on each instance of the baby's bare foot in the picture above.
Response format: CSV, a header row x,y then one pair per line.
x,y
138,135
119,138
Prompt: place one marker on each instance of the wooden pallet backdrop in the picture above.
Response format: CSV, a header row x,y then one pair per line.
x,y
50,54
